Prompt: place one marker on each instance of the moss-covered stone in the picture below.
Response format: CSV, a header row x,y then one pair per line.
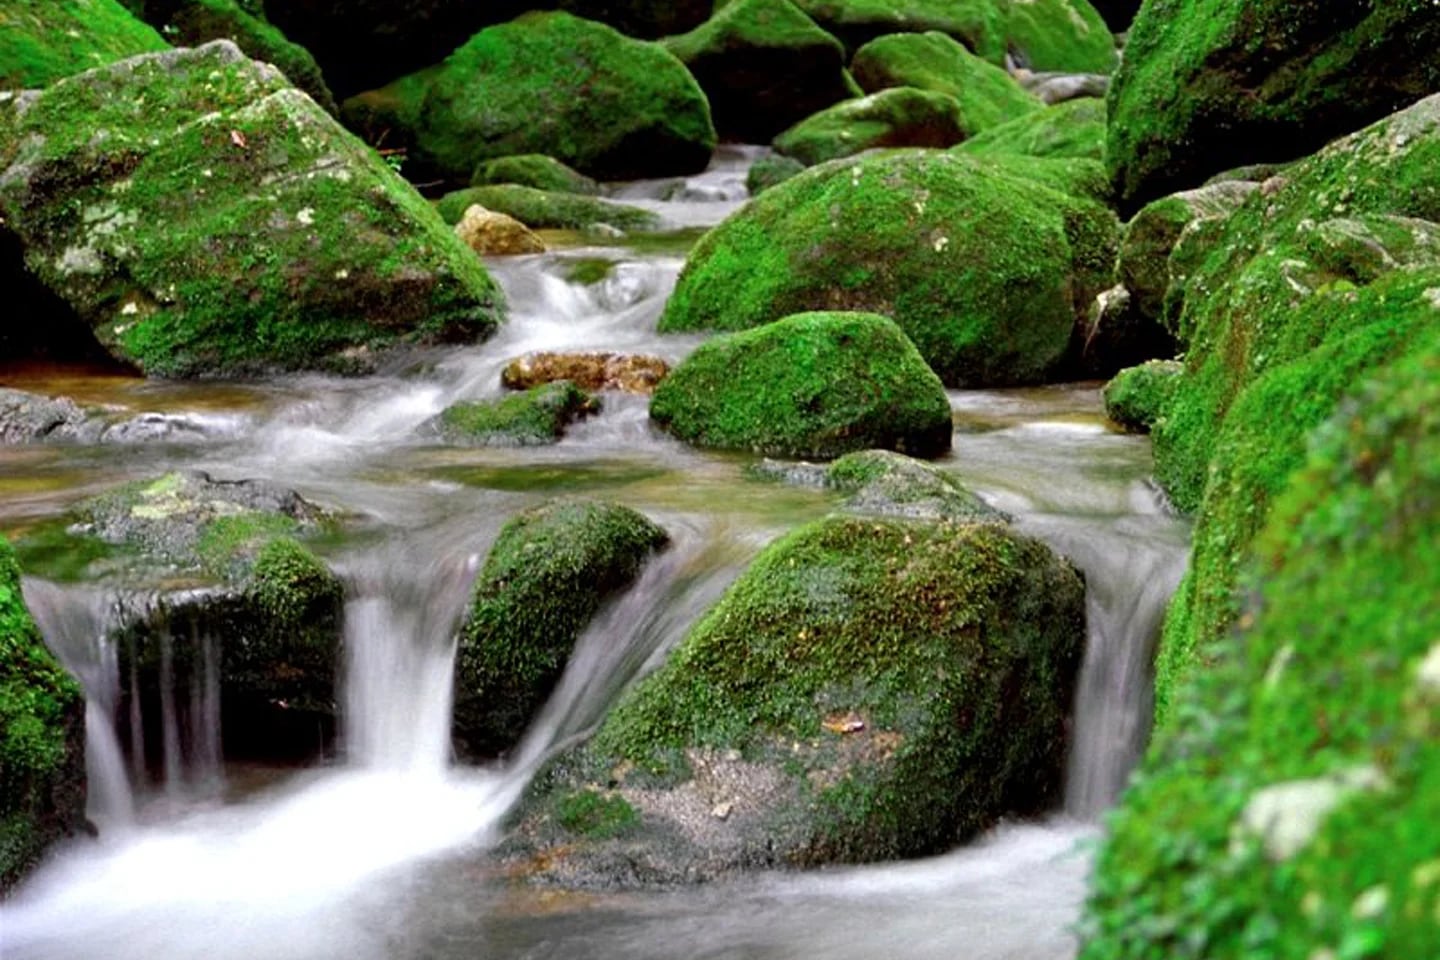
x,y
764,65
609,106
811,385
987,95
985,271
1212,84
545,209
885,483
898,117
1075,128
42,41
533,170
1068,36
1288,809
979,24
1077,176
537,416
226,225
770,171
868,689
1137,396
190,23
545,578
42,737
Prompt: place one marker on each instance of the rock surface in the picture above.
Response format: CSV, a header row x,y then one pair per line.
x,y
898,117
47,40
629,373
533,418
488,232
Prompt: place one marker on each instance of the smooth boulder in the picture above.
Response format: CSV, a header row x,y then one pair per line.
x,y
897,117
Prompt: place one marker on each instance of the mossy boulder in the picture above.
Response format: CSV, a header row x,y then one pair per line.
x,y
1288,809
42,737
1075,129
987,272
1207,85
1066,36
770,171
899,117
190,23
612,107
545,209
868,689
1136,397
225,225
546,576
811,385
885,483
533,170
764,65
988,96
979,24
1077,176
535,417
47,40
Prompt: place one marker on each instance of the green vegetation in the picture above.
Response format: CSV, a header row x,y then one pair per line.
x,y
533,170
986,271
771,171
228,226
979,24
592,814
987,95
898,117
47,40
42,767
544,209
1075,129
536,416
550,570
810,385
885,483
908,681
1138,396
1068,36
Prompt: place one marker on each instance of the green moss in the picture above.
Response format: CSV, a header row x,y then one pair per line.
x,y
987,95
764,65
229,541
550,570
771,171
609,106
544,209
1067,36
536,416
811,385
42,785
228,226
42,41
589,271
952,645
1075,128
533,170
595,815
899,117
1138,396
884,483
979,24
984,270
1256,82
1328,681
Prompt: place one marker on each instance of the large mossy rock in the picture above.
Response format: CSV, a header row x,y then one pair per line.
x,y
1074,129
988,96
546,576
764,65
1289,809
190,23
533,418
533,170
206,218
987,271
1212,84
612,107
42,737
1065,36
811,385
869,689
42,41
888,484
898,117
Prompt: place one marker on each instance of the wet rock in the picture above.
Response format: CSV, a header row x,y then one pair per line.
x,y
46,41
764,65
842,703
1060,87
30,418
533,170
899,117
1136,398
609,106
546,209
770,171
226,225
537,416
1075,128
42,746
1117,335
490,233
888,484
589,371
550,570
810,385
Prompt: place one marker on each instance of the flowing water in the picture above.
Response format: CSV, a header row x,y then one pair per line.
x,y
378,852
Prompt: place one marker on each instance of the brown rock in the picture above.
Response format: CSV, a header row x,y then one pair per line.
x,y
588,371
488,232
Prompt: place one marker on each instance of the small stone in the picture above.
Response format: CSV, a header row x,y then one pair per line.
x,y
495,234
1286,816
722,811
629,373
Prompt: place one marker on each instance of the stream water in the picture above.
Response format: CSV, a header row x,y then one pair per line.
x,y
379,851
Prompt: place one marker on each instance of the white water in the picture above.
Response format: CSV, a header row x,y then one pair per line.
x,y
378,856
